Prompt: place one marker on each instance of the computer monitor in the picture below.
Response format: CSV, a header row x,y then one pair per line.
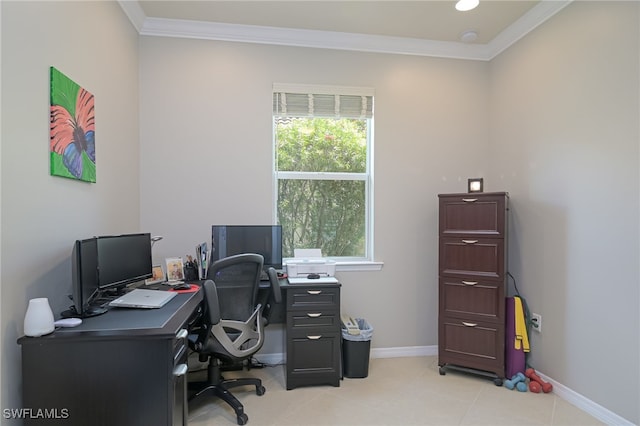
x,y
228,240
103,263
123,259
84,276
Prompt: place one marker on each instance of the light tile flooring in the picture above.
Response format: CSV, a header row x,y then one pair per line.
x,y
397,391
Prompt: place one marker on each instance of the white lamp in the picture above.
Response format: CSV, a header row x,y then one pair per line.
x,y
38,320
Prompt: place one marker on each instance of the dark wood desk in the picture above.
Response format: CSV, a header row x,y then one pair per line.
x,y
126,367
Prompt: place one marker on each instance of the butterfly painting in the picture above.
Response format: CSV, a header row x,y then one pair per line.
x,y
72,130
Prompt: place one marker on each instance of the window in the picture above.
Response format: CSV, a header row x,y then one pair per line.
x,y
323,149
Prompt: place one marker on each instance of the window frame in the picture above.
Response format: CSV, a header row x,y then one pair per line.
x,y
344,263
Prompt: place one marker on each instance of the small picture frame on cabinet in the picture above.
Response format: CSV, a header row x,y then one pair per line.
x,y
475,185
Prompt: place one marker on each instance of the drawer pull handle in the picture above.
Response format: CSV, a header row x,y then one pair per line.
x,y
182,334
314,291
180,370
469,241
313,337
469,282
314,315
469,200
469,324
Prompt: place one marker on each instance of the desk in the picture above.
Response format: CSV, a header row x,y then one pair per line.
x,y
126,367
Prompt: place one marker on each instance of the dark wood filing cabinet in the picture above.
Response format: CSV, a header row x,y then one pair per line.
x,y
313,335
472,282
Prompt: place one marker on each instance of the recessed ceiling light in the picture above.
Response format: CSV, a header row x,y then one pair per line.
x,y
464,5
469,36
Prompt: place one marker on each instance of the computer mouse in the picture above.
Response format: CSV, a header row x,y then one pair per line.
x,y
183,286
313,276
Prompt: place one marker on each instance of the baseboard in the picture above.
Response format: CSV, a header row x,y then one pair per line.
x,y
599,412
585,404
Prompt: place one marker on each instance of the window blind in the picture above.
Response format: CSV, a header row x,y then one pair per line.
x,y
290,104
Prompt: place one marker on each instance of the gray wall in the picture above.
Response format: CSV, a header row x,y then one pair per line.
x,y
94,44
206,157
565,144
555,111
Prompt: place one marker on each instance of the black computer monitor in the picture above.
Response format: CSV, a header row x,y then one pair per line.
x,y
84,276
103,263
228,240
123,259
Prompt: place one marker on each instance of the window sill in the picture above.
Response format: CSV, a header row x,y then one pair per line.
x,y
359,266
354,265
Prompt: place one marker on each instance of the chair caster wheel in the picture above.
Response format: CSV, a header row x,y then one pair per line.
x,y
260,390
442,371
243,419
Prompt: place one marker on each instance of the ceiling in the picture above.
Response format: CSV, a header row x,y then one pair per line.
x,y
431,28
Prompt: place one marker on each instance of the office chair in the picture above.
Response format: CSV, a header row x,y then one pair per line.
x,y
232,325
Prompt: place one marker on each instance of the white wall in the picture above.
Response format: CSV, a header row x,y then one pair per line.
x,y
95,45
565,144
206,157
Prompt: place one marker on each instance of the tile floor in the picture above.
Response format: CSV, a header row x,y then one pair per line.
x,y
397,391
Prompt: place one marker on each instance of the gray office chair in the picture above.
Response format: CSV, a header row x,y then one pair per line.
x,y
232,326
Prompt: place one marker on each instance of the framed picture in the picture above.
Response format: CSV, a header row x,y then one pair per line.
x,y
475,185
157,277
175,269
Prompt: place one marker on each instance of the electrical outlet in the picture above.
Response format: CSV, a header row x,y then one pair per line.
x,y
536,322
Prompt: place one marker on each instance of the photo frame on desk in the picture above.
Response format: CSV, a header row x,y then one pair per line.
x,y
157,275
175,269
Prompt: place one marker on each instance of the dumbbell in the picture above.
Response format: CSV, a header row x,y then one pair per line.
x,y
517,381
531,374
534,386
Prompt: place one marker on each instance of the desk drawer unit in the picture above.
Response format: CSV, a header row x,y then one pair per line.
x,y
472,281
313,335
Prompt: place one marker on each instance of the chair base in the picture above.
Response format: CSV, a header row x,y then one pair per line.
x,y
219,387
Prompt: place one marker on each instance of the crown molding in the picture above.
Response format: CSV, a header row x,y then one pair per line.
x,y
525,24
161,27
134,12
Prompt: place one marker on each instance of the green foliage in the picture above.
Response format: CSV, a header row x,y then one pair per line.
x,y
326,214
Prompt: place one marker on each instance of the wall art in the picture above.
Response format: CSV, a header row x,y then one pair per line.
x,y
72,129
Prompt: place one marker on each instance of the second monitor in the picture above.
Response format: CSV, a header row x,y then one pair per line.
x,y
229,240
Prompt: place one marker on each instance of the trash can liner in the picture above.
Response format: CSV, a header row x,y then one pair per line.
x,y
366,332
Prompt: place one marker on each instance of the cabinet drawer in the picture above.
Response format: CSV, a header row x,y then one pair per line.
x,y
313,360
313,298
478,300
313,320
477,344
472,257
473,214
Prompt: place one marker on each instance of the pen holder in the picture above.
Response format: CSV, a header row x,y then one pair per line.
x,y
190,271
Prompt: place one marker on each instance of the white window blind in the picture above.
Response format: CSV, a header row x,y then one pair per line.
x,y
318,101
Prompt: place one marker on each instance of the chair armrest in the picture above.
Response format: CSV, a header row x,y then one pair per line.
x,y
275,285
212,305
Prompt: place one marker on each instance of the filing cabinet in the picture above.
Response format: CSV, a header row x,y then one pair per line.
x,y
313,335
472,282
